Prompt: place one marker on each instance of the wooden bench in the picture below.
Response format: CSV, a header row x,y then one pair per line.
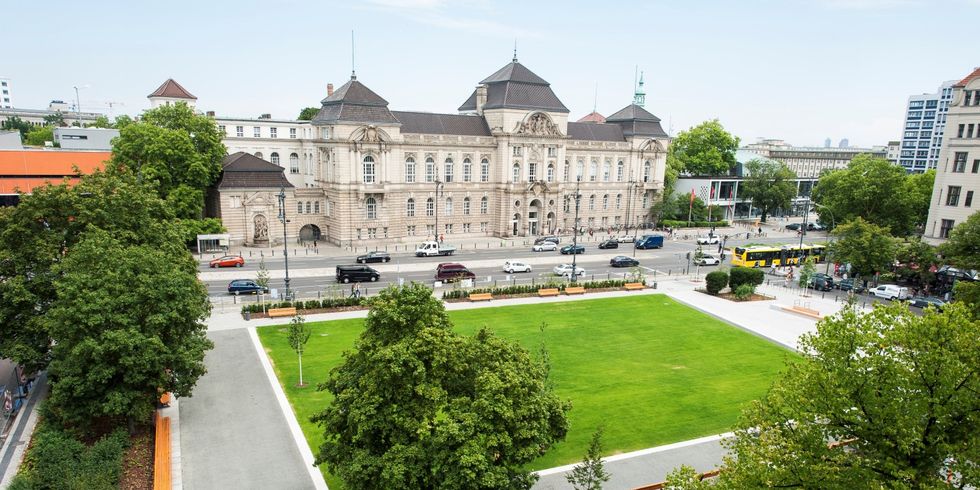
x,y
634,286
276,312
480,297
548,292
161,455
575,290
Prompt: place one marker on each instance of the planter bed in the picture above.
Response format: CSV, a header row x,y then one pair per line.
x,y
315,311
730,296
530,295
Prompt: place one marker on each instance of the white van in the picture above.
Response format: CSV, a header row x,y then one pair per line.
x,y
891,291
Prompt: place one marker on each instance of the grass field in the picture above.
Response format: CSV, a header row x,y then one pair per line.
x,y
651,370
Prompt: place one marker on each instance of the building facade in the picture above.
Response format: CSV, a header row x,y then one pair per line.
x,y
75,138
958,171
24,169
508,164
809,162
6,97
925,124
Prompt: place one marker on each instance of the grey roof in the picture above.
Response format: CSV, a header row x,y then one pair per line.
x,y
514,72
595,132
244,170
429,123
470,104
354,102
516,87
637,121
632,112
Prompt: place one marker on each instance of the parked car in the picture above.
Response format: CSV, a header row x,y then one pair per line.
x,y
552,239
544,247
794,226
708,259
814,227
449,272
650,241
610,243
821,282
709,240
566,270
924,301
512,266
376,256
356,273
227,261
891,291
247,286
623,261
572,249
849,284
626,238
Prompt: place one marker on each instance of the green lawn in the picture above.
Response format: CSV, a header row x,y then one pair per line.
x,y
651,370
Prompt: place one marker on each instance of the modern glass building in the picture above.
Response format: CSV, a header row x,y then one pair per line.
x,y
925,122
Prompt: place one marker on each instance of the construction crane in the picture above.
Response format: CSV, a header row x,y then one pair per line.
x,y
108,103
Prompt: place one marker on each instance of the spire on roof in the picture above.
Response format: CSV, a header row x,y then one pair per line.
x,y
639,96
515,50
353,73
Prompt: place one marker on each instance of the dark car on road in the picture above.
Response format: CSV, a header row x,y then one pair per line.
x,y
610,243
356,273
850,285
623,261
794,226
572,249
450,272
924,301
247,286
821,282
552,239
375,256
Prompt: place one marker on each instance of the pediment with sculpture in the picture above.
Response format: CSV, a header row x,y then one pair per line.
x,y
538,124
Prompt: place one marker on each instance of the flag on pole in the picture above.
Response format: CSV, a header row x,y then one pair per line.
x,y
692,197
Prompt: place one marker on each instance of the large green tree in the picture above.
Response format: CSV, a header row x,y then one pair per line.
x,y
876,190
39,135
917,261
770,185
308,113
706,149
416,405
15,123
963,247
869,248
885,399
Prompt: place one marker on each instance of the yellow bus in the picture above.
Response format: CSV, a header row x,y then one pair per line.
x,y
767,256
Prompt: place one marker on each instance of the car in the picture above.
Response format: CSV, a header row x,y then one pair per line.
x,y
248,286
926,301
552,239
566,270
610,243
512,266
849,284
709,240
376,256
649,241
891,292
449,272
814,227
708,259
356,273
227,261
544,247
794,226
572,249
626,238
821,282
623,261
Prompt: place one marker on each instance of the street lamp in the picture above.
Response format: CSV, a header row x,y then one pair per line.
x,y
439,186
833,224
285,248
578,198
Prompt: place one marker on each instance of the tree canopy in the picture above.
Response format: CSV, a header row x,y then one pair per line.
x,y
39,135
308,113
869,248
706,149
962,249
15,123
416,405
770,185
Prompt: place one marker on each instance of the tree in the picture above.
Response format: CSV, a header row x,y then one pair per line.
x,y
918,192
867,247
262,276
101,122
298,334
706,149
885,399
308,113
416,405
917,261
682,206
807,271
37,136
15,123
56,119
687,478
875,190
968,293
963,247
770,185
590,474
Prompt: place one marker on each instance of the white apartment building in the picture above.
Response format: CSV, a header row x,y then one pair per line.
x,y
958,171
6,98
925,124
809,162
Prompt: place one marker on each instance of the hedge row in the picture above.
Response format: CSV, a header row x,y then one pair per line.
x,y
313,304
59,460
531,289
692,224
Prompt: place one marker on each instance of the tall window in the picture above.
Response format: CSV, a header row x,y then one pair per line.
x,y
449,206
467,170
430,207
959,162
592,202
619,200
240,131
449,170
309,207
605,201
646,171
316,207
484,205
299,207
371,208
945,228
968,201
593,171
532,171
953,195
466,205
517,172
606,172
273,132
567,171
368,169
293,163
430,170
275,158
410,208
292,133
551,172
410,170
619,171
484,170
580,171
256,132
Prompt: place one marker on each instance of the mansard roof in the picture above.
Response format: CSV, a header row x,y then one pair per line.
x,y
354,102
172,89
244,170
454,124
595,131
514,72
516,87
636,121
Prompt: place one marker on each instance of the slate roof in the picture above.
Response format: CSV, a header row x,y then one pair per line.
x,y
969,78
595,131
516,87
429,123
172,89
244,170
636,121
354,102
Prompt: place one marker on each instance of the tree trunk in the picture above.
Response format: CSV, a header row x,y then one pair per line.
x,y
301,369
765,214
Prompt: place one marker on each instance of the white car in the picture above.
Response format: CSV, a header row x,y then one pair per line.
x,y
545,247
566,270
626,239
708,240
708,260
512,266
891,291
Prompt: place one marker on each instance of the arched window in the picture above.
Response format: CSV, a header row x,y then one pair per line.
x,y
293,163
517,172
410,208
592,202
316,207
430,207
430,170
299,207
606,172
593,171
551,172
258,154
467,170
484,205
410,170
605,201
619,171
567,171
619,200
466,205
275,158
369,169
449,170
646,171
371,208
484,170
309,207
449,206
646,200
580,171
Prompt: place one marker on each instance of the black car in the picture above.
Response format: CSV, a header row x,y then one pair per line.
x,y
375,256
821,282
623,261
924,301
552,239
610,243
248,286
849,285
572,249
794,226
356,273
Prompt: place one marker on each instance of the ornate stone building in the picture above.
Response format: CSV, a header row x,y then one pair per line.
x,y
506,165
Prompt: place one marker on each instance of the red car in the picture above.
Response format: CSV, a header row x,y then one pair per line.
x,y
228,261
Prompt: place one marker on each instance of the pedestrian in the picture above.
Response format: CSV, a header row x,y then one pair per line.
x,y
760,231
357,291
442,237
748,235
352,290
314,244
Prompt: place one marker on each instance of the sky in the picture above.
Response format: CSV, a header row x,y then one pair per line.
x,y
798,70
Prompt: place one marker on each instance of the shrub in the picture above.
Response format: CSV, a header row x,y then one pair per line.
x,y
530,288
744,292
58,460
716,281
312,304
693,224
745,275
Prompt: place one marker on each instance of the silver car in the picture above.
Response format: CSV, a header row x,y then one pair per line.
x,y
512,266
566,270
545,247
